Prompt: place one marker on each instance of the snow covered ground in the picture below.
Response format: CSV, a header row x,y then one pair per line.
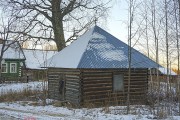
x,y
5,88
25,110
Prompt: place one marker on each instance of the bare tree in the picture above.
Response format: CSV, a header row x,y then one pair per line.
x,y
129,52
154,27
167,44
51,19
130,24
5,36
177,42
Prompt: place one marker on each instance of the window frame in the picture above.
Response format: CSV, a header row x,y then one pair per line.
x,y
15,68
6,67
113,80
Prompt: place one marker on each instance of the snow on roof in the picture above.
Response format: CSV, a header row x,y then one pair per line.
x,y
70,56
98,49
35,57
163,70
13,51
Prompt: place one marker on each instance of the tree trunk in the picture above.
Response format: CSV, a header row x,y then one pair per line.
x,y
167,47
58,25
129,53
177,37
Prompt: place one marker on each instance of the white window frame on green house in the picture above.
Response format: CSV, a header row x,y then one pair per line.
x,y
13,69
6,68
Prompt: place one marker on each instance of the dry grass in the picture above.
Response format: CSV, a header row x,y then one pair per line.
x,y
25,95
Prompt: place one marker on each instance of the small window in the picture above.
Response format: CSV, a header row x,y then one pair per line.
x,y
4,68
118,82
13,68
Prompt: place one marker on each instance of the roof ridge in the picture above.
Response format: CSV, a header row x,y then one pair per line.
x,y
86,45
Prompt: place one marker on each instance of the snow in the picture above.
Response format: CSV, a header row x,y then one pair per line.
x,y
15,87
13,51
96,35
20,111
75,51
35,58
164,71
71,56
24,110
104,49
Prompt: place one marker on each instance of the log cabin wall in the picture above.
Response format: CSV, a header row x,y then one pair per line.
x,y
72,82
97,87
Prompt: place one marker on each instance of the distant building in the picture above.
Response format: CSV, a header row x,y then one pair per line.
x,y
22,64
34,57
162,73
13,61
94,70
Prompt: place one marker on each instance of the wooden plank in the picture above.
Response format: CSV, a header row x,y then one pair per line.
x,y
72,76
73,82
72,86
98,84
104,80
72,89
96,74
96,78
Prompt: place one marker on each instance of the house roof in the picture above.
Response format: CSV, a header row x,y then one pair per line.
x,y
35,57
163,70
14,50
98,49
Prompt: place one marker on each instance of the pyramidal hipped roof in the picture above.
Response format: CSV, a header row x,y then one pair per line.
x,y
98,49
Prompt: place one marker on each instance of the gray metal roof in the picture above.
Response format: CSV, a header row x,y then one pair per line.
x,y
99,49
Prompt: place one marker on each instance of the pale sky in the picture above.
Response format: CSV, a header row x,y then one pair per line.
x,y
117,26
116,23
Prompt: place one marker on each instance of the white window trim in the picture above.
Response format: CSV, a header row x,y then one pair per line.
x,y
15,67
6,67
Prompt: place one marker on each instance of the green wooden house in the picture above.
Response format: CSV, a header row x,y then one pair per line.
x,y
13,61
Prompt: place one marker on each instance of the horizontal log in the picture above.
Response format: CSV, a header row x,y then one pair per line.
x,y
97,84
73,82
71,89
72,79
113,93
53,79
74,93
71,96
96,78
72,86
110,96
72,76
105,100
136,81
96,74
136,85
97,92
97,88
